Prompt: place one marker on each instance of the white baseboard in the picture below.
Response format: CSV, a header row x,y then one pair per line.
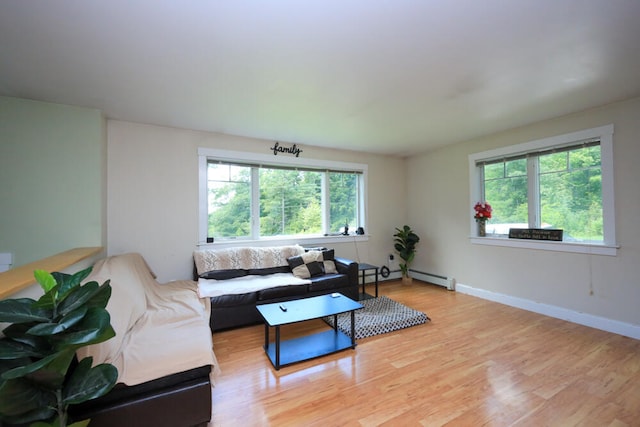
x,y
602,323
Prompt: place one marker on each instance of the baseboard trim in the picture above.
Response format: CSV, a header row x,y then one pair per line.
x,y
590,320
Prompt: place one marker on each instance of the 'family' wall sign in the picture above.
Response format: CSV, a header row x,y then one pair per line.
x,y
277,148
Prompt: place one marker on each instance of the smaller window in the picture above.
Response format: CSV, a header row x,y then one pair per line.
x,y
344,205
505,188
563,182
229,200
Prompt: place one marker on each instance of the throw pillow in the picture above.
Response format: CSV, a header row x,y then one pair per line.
x,y
305,266
326,257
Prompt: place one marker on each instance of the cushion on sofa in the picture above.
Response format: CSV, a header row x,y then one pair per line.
x,y
234,300
233,274
303,266
282,292
223,274
306,265
327,282
269,270
326,257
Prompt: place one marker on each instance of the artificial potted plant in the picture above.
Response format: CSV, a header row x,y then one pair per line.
x,y
405,244
39,374
482,214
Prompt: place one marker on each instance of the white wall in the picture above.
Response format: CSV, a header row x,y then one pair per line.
x,y
153,194
438,207
52,175
152,203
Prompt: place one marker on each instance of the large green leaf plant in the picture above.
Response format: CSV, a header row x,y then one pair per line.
x,y
39,375
405,241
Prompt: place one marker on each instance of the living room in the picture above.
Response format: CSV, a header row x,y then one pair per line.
x,y
134,188
157,224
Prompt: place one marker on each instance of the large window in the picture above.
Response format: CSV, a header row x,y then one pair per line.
x,y
564,182
250,196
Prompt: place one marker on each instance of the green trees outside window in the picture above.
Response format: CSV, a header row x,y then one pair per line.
x,y
289,202
229,200
571,193
344,192
567,186
505,188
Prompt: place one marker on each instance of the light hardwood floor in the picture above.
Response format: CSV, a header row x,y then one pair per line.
x,y
477,363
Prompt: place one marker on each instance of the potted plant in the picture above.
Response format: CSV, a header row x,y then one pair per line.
x,y
39,373
405,244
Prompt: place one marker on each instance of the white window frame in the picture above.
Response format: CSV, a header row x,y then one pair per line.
x,y
607,247
204,154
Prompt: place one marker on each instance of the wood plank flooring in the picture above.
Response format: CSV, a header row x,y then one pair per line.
x,y
477,363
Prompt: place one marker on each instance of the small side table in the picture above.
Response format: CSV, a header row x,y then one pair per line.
x,y
363,267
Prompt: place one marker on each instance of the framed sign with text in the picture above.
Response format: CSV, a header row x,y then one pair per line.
x,y
536,234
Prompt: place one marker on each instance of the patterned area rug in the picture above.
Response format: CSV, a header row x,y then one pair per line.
x,y
379,316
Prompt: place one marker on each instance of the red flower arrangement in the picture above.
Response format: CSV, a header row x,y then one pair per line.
x,y
483,211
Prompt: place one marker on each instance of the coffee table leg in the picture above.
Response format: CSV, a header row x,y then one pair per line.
x,y
335,322
266,336
353,329
376,282
278,347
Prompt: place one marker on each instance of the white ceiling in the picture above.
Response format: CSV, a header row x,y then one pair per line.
x,y
395,77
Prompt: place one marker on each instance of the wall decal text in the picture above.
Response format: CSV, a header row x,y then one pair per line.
x,y
277,148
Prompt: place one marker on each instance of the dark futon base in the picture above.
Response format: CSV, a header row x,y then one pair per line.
x,y
178,400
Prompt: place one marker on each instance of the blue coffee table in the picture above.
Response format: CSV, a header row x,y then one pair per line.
x,y
307,347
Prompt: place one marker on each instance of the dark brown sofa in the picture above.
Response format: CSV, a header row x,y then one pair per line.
x,y
234,310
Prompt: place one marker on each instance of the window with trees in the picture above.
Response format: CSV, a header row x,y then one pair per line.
x,y
562,182
255,197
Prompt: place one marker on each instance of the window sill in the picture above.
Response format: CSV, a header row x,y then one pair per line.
x,y
280,241
581,248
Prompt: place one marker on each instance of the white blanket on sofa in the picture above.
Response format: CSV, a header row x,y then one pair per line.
x,y
246,284
161,329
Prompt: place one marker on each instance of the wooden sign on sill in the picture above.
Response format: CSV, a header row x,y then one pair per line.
x,y
536,234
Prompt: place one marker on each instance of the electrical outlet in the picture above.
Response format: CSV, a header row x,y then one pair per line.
x,y
392,262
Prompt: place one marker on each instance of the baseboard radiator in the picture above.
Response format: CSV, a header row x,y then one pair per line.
x,y
436,279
